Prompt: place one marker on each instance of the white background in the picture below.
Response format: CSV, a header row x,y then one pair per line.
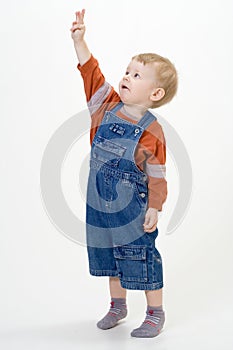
x,y
47,298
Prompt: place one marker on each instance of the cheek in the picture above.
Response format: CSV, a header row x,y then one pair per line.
x,y
141,89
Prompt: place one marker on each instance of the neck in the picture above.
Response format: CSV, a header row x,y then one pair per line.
x,y
135,110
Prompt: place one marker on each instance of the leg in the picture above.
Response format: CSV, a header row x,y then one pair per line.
x,y
116,291
118,309
155,317
154,297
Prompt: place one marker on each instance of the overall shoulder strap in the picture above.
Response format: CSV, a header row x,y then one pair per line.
x,y
146,120
115,109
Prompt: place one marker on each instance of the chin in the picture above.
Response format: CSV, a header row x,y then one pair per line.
x,y
123,98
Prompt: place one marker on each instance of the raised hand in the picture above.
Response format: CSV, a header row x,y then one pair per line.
x,y
78,27
77,34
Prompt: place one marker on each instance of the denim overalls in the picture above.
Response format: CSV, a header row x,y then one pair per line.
x,y
117,195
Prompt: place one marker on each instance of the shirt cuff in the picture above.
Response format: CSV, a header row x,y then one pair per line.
x,y
85,67
154,204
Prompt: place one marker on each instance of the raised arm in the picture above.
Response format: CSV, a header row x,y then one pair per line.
x,y
77,34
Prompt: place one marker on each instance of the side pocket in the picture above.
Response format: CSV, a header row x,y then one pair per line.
x,y
131,262
157,266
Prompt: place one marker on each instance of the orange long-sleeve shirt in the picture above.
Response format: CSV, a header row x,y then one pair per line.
x,y
150,154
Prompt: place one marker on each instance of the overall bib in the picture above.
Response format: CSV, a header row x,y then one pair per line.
x,y
117,195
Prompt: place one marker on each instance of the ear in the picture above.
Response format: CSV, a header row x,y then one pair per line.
x,y
157,94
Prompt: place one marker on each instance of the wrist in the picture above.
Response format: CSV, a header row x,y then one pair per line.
x,y
82,51
79,42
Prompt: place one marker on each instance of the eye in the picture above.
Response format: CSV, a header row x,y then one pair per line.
x,y
136,75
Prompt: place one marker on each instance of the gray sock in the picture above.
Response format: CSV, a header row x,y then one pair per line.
x,y
152,325
117,311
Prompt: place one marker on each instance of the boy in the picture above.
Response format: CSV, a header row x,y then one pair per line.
x,y
126,184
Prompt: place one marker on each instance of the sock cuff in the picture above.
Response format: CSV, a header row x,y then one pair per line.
x,y
155,308
119,300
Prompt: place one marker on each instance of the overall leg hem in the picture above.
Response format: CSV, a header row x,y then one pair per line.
x,y
141,286
109,273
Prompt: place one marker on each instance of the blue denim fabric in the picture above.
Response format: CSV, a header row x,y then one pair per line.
x,y
117,196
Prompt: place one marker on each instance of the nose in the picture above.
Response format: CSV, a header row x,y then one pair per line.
x,y
126,77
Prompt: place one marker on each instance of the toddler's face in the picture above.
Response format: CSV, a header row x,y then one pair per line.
x,y
138,84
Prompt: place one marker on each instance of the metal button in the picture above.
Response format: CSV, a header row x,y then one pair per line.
x,y
136,131
142,195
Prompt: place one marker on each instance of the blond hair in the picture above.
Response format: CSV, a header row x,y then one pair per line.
x,y
166,75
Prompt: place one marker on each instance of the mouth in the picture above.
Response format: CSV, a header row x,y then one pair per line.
x,y
124,87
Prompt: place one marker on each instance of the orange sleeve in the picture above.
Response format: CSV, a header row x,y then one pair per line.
x,y
94,81
157,184
100,95
151,158
155,166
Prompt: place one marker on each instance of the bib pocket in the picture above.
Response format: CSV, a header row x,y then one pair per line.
x,y
131,263
107,151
